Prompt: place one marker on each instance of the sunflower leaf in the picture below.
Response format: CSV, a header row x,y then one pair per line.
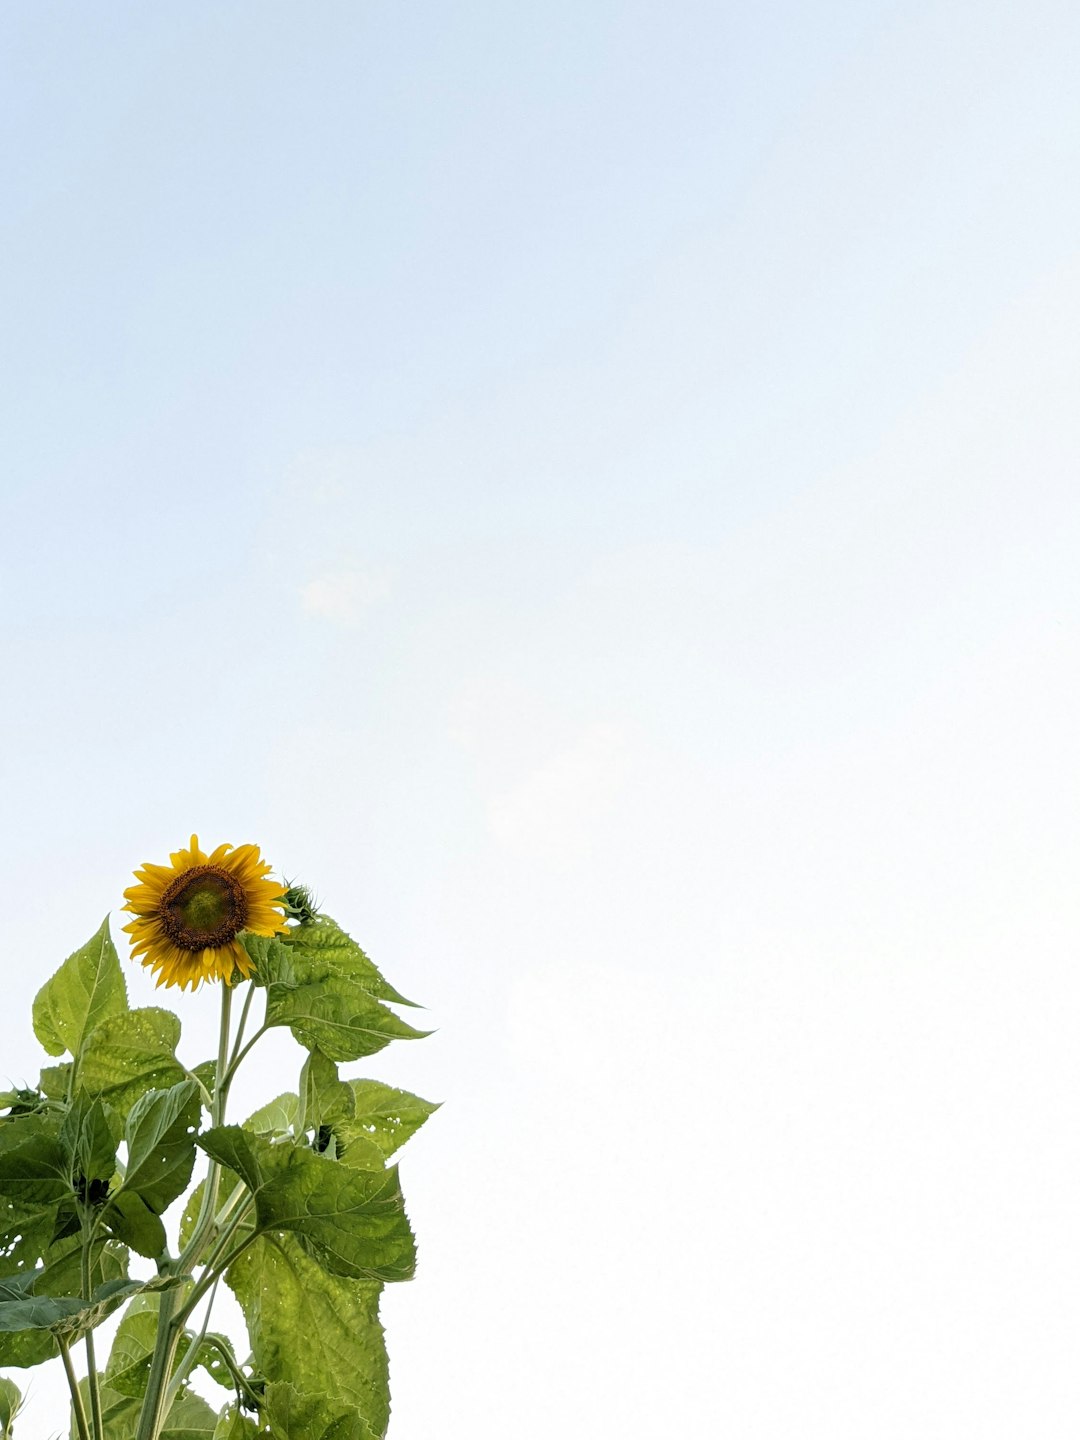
x,y
299,1415
10,1401
336,1016
189,1418
89,1136
386,1116
320,947
276,1117
232,1424
67,1315
352,1220
87,989
60,1275
129,1054
324,1098
160,1134
320,1332
33,1184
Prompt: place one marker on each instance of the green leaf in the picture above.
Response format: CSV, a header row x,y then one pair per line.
x,y
67,1315
296,1415
129,1054
385,1115
337,1016
87,989
33,1183
54,1081
320,948
324,1098
160,1134
277,1117
352,1220
119,1413
10,1402
314,1329
189,1418
233,1424
131,1220
60,1275
89,1137
128,1368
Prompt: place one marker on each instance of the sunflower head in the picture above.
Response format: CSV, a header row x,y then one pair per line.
x,y
188,914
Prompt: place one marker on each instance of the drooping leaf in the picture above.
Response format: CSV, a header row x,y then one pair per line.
x,y
337,1016
313,1329
352,1220
320,947
87,989
385,1115
60,1275
10,1401
129,1054
67,1315
298,1415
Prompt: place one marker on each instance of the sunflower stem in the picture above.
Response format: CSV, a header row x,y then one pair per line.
x,y
240,1027
77,1406
91,1360
234,1066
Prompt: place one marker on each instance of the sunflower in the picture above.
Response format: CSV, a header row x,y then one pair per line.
x,y
190,913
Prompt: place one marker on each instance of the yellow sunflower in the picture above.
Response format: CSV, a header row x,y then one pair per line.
x,y
189,914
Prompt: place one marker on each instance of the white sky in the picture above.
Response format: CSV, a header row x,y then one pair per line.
x,y
594,490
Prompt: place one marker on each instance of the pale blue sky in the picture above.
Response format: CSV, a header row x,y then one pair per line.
x,y
593,488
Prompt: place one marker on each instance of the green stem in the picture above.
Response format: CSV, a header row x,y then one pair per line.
x,y
192,1249
77,1405
91,1361
187,1364
240,1027
170,1324
234,1066
94,1388
160,1365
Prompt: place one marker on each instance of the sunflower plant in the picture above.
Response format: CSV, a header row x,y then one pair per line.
x,y
295,1209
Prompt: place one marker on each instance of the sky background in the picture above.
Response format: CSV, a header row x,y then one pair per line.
x,y
593,489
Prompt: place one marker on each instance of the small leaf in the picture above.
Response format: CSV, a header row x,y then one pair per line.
x,y
129,1054
89,1139
324,1098
387,1116
54,1081
233,1424
87,989
10,1402
131,1220
277,1117
352,1220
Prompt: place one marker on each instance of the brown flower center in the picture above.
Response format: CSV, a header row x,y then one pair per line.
x,y
203,907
